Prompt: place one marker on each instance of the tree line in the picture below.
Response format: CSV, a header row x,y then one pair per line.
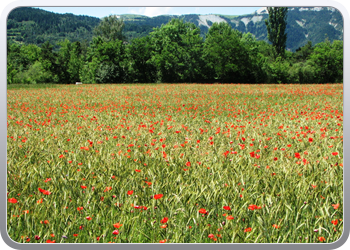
x,y
174,53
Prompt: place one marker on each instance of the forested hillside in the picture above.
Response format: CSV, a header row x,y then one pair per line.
x,y
34,26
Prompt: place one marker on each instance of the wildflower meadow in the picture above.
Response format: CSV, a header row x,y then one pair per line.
x,y
175,163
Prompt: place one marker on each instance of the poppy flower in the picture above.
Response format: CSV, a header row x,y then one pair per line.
x,y
37,237
202,211
130,192
138,170
335,206
50,241
335,153
75,235
117,225
211,236
252,207
335,222
320,238
163,226
188,164
227,208
248,229
88,218
164,220
157,196
230,217
275,226
115,232
12,200
162,241
297,155
80,208
83,187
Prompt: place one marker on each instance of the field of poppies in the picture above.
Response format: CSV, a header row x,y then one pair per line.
x,y
181,163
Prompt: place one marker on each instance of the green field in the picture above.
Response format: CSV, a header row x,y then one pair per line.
x,y
182,163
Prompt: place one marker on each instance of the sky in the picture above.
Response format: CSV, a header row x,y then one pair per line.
x,y
150,11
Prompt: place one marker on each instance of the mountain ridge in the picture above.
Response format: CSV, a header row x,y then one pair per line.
x,y
32,25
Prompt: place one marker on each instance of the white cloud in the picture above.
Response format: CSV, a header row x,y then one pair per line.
x,y
152,11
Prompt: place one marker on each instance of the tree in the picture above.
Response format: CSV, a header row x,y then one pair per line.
x,y
139,53
176,52
276,29
328,60
104,62
110,28
227,55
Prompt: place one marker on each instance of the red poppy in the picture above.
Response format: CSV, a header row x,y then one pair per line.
x,y
83,187
88,218
252,207
275,226
164,220
12,200
48,179
188,164
335,153
297,155
202,211
138,170
162,241
230,217
130,192
75,235
157,196
117,225
335,222
50,241
226,208
80,208
211,236
248,229
115,232
320,238
46,192
335,206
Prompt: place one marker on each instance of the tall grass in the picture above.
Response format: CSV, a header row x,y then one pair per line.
x,y
278,147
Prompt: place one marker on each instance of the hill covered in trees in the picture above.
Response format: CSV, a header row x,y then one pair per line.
x,y
27,25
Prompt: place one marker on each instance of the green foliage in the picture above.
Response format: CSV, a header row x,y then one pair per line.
x,y
105,61
227,55
110,28
140,67
276,28
328,60
34,74
176,52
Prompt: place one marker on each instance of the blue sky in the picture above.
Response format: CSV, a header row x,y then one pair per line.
x,y
150,11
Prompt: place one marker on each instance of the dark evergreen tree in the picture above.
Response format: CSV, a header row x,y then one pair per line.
x,y
276,29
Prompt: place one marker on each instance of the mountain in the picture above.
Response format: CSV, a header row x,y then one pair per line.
x,y
32,25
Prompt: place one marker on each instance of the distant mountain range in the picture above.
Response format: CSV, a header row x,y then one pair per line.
x,y
32,25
